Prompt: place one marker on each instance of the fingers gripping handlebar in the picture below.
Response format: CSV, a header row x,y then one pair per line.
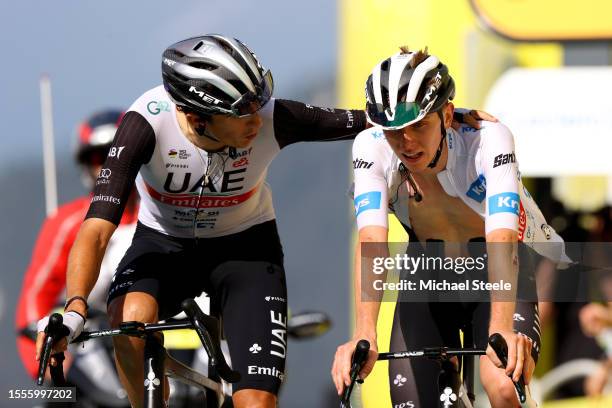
x,y
55,331
497,342
360,357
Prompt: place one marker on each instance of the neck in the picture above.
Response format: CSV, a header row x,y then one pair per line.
x,y
441,165
190,133
429,173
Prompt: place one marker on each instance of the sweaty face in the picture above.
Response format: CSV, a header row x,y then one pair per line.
x,y
416,145
235,132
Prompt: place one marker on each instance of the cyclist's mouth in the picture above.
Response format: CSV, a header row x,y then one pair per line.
x,y
412,157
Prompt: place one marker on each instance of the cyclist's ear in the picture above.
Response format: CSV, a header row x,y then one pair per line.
x,y
448,110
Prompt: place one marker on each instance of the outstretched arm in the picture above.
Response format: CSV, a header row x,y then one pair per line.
x,y
298,122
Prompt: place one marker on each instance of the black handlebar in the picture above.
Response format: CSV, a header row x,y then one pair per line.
x,y
207,328
497,342
54,331
360,356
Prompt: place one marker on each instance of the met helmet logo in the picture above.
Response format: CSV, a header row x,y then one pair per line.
x,y
433,87
204,96
169,62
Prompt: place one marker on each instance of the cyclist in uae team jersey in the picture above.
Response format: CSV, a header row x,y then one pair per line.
x,y
444,185
198,150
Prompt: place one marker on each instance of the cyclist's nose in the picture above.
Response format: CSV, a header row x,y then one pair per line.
x,y
255,120
407,140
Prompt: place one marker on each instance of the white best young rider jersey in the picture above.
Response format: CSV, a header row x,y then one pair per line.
x,y
236,196
482,170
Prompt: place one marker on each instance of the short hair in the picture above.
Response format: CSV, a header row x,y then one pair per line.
x,y
204,116
419,56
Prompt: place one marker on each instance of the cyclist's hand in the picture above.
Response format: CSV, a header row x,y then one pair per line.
x,y
341,367
593,318
520,361
595,383
72,320
471,118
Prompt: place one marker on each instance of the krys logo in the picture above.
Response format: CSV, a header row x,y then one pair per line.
x,y
367,201
478,189
156,107
504,202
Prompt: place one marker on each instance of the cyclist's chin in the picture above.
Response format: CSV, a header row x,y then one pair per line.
x,y
416,167
245,141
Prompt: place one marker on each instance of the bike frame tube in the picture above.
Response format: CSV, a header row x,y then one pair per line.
x,y
154,354
468,365
184,374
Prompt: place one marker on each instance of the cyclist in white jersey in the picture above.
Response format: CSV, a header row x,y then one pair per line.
x,y
443,185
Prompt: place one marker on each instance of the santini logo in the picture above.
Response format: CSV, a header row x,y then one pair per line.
x,y
362,164
501,159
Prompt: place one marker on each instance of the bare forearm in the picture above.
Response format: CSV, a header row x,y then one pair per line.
x,y
367,302
502,265
367,299
84,262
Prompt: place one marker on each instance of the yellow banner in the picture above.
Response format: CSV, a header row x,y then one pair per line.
x,y
548,20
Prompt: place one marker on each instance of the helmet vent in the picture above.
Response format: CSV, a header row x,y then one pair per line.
x,y
198,45
203,65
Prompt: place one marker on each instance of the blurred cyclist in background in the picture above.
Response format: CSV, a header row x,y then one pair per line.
x,y
45,279
596,318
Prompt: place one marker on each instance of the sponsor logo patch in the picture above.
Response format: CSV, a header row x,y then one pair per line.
x,y
156,107
505,202
502,159
361,164
270,371
522,222
109,199
367,201
478,189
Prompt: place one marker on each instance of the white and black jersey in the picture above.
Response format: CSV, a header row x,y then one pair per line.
x,y
188,192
